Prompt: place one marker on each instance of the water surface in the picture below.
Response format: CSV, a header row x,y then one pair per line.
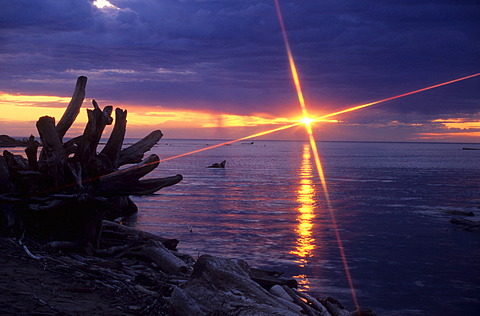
x,y
268,207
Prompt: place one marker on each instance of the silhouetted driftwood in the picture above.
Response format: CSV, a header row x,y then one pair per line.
x,y
157,280
220,286
67,191
73,108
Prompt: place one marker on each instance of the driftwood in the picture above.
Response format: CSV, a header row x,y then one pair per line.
x,y
334,307
162,257
67,191
73,108
133,264
267,279
125,233
223,287
134,153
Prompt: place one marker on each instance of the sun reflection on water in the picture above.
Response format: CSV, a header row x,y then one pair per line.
x,y
305,243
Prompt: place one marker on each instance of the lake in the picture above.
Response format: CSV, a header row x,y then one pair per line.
x,y
388,201
388,204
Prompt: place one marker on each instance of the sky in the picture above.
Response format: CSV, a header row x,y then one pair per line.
x,y
219,69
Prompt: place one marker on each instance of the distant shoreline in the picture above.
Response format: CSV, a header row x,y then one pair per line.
x,y
19,141
318,141
7,141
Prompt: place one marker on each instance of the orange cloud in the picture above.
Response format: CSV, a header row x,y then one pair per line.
x,y
460,123
18,109
443,136
21,108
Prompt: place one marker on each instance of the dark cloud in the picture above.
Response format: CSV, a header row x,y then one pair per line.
x,y
230,56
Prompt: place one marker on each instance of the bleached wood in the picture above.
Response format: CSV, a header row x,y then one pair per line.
x,y
73,108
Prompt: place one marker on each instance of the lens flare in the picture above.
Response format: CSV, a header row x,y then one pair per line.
x,y
307,121
293,67
234,141
358,107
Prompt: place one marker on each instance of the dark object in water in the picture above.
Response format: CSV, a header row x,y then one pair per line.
x,y
468,148
465,222
463,213
218,165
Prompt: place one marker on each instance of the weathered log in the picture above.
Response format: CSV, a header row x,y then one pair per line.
x,y
75,172
15,162
5,185
314,303
97,120
52,157
114,144
66,193
163,258
137,235
70,147
119,182
31,152
334,307
267,279
50,206
221,286
278,290
73,107
135,152
307,309
150,186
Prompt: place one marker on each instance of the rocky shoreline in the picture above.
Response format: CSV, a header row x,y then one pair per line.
x,y
7,141
138,273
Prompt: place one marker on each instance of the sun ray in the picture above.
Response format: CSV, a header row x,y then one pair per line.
x,y
358,107
307,122
234,141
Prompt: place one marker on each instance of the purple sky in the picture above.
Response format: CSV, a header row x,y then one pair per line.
x,y
228,56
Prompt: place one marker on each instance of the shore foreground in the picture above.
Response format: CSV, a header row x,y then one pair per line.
x,y
134,273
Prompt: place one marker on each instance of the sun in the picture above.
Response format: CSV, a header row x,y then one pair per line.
x,y
307,120
103,4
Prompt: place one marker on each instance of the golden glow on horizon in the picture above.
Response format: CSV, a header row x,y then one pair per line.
x,y
28,108
306,211
22,108
233,141
458,123
16,108
230,120
194,119
442,136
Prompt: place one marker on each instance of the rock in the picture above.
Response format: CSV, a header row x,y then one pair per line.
x,y
220,286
